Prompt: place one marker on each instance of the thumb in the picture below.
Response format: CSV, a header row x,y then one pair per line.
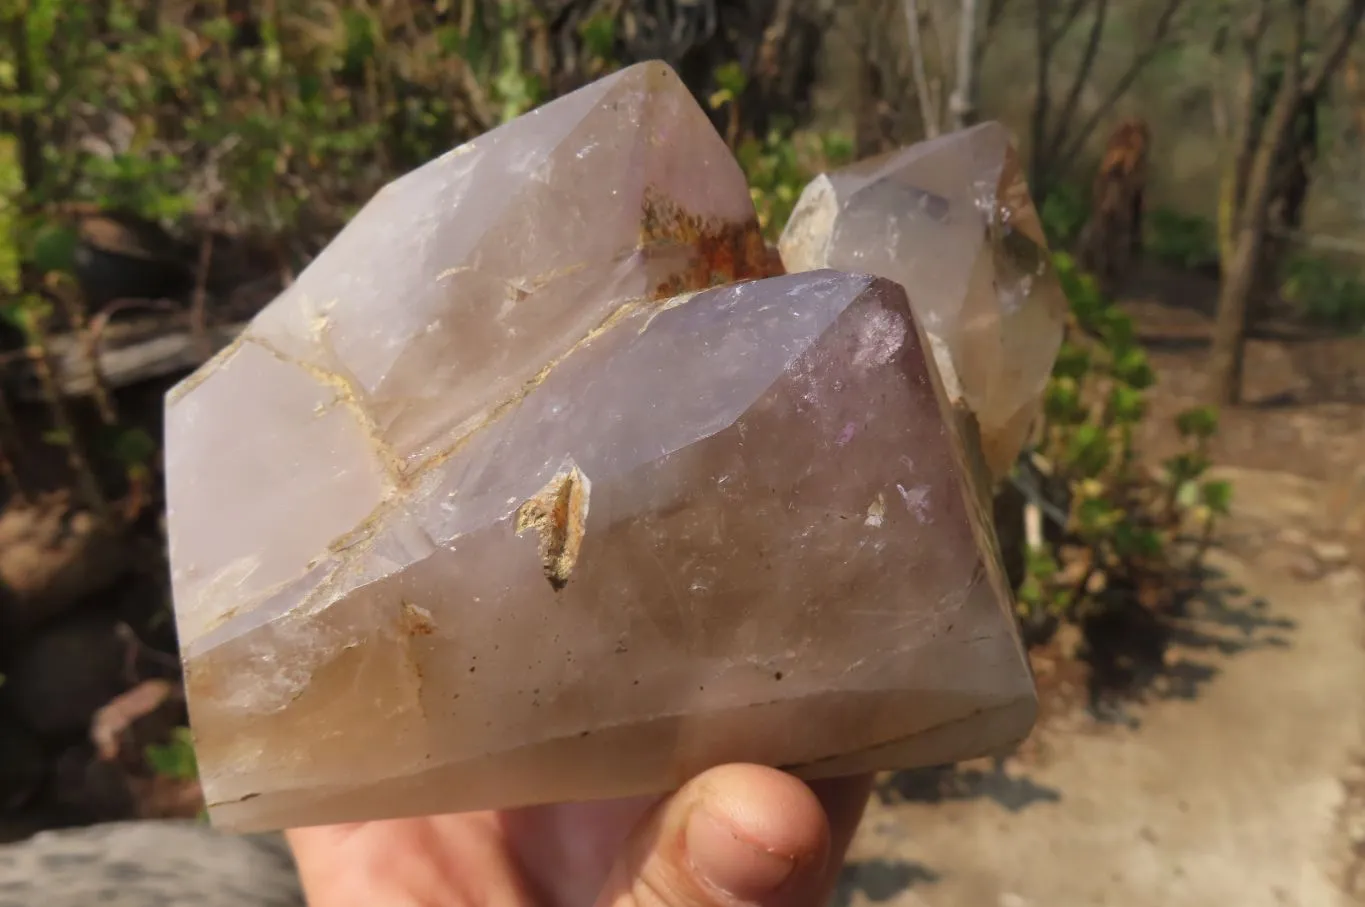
x,y
735,835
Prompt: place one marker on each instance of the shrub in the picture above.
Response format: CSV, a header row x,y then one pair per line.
x,y
1116,522
1325,293
1181,240
1064,213
780,165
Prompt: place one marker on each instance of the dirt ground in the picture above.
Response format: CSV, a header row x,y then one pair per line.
x,y
1304,390
1240,776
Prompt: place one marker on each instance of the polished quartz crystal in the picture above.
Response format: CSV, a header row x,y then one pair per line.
x,y
952,221
526,492
730,525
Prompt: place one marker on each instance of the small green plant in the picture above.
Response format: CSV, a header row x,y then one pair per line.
x,y
11,196
1326,293
781,163
1119,522
174,758
1181,240
1064,213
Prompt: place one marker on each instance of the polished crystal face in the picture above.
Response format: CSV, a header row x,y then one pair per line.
x,y
526,492
951,220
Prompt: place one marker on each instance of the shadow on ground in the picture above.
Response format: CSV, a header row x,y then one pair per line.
x,y
946,783
879,880
1137,654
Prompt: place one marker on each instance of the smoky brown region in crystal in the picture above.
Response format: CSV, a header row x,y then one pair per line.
x,y
951,220
731,525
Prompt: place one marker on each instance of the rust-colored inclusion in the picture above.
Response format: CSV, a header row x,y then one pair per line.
x,y
723,251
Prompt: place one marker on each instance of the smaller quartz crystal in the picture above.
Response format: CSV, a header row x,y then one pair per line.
x,y
952,221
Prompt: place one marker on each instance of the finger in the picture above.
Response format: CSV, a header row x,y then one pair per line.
x,y
735,835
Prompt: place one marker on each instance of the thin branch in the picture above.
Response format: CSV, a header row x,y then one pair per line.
x,y
81,469
1218,101
1244,143
67,300
1276,130
1073,97
939,25
927,111
995,11
199,301
1042,101
1073,13
962,104
1344,29
10,450
1135,68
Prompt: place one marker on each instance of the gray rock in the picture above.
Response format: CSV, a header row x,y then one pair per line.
x,y
148,864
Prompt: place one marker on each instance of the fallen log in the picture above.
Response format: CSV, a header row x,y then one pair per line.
x,y
124,355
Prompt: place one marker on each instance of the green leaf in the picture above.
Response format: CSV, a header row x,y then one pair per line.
x,y
1131,540
1180,239
42,22
1188,494
174,759
1127,404
1062,401
11,192
360,40
1197,422
1095,516
134,447
1064,213
719,99
837,148
730,77
1131,366
1073,361
1217,496
599,35
1087,450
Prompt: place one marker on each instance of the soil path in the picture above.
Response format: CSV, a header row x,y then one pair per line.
x,y
1241,778
1234,787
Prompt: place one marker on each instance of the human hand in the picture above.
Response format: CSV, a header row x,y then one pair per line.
x,y
734,835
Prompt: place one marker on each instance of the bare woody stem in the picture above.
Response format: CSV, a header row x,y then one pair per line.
x,y
86,481
928,113
9,449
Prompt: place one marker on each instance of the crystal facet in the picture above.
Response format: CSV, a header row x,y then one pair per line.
x,y
951,220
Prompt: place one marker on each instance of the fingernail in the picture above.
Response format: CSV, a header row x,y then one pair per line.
x,y
726,859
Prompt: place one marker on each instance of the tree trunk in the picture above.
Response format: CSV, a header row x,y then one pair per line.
x,y
1250,219
1229,332
1249,233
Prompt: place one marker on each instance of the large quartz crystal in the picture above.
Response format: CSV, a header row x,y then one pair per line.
x,y
951,220
504,502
